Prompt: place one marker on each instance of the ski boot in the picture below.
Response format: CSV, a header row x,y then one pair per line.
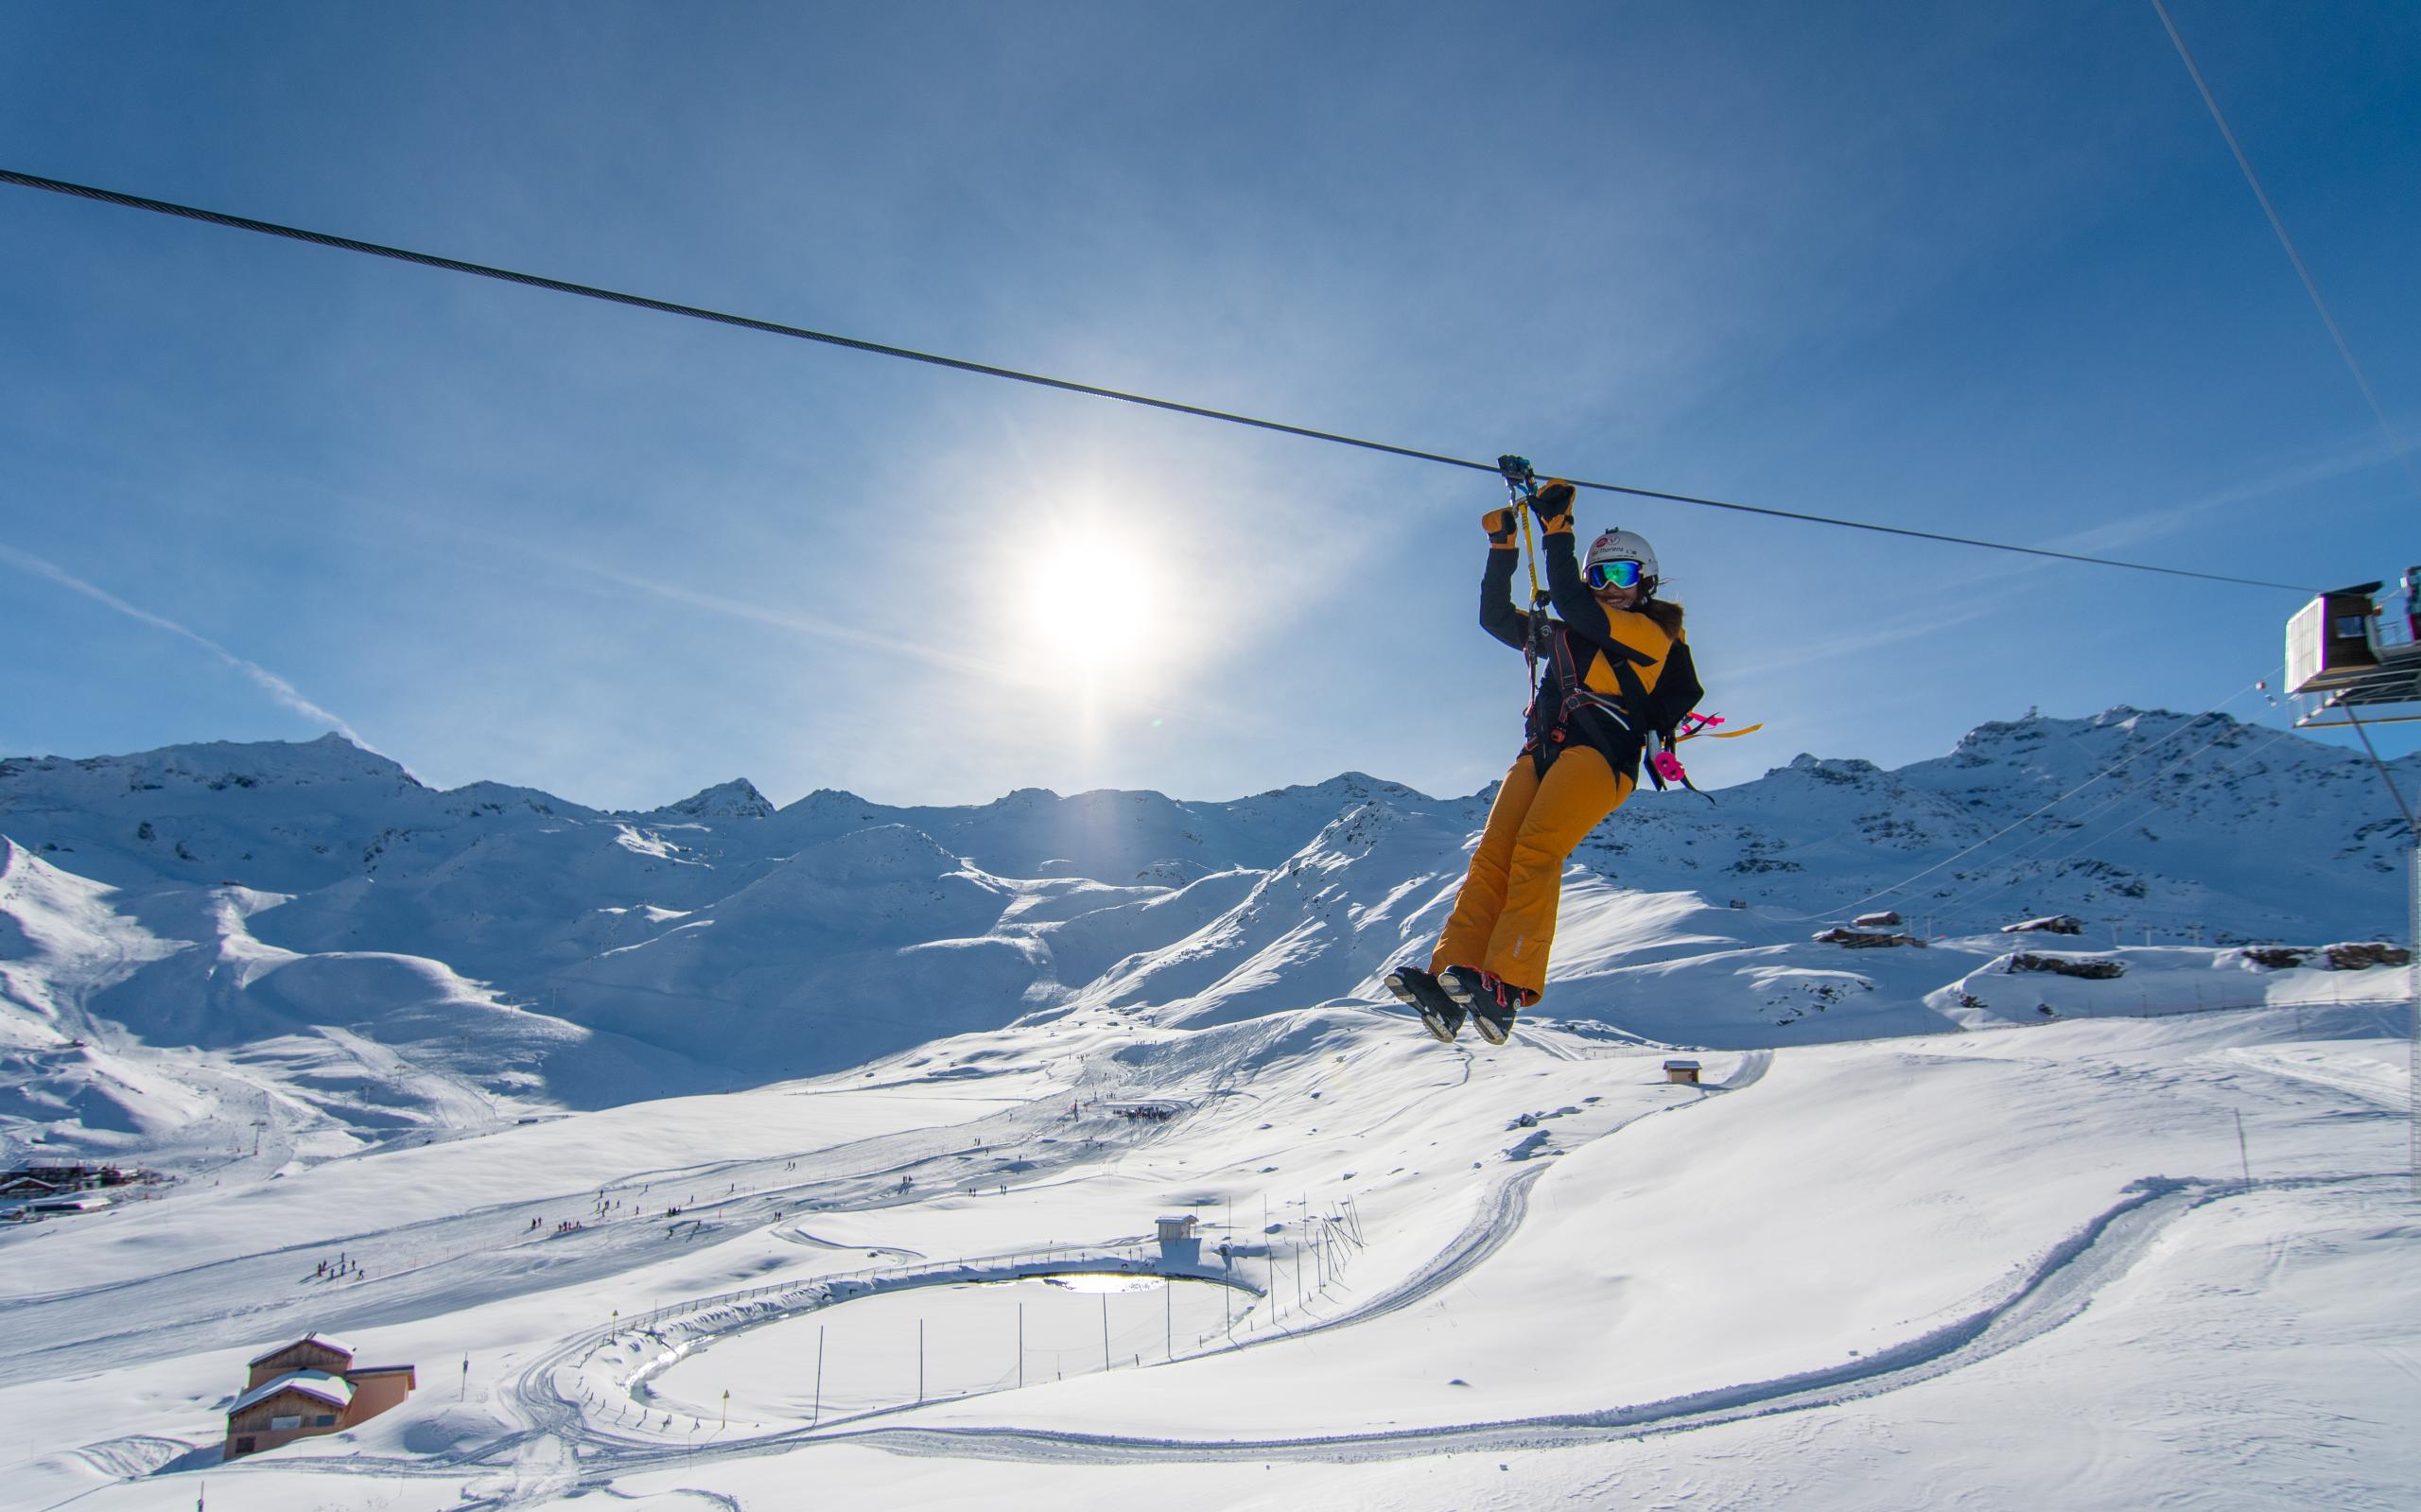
x,y
1421,992
1490,1001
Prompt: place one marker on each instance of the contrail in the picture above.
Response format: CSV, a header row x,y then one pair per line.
x,y
269,682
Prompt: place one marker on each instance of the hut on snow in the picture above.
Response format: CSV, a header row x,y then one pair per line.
x,y
310,1386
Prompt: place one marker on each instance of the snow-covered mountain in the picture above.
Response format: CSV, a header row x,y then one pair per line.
x,y
303,938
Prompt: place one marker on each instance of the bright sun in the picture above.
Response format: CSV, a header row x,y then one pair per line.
x,y
1087,605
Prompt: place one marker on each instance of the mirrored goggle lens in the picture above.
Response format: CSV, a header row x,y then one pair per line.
x,y
1617,574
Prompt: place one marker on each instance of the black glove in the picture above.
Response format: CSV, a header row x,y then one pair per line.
x,y
1500,524
1553,503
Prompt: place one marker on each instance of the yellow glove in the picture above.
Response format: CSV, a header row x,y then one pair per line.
x,y
1500,524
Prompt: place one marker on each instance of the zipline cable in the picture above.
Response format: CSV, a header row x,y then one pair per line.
x,y
454,265
2362,379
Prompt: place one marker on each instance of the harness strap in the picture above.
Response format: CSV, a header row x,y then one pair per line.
x,y
1630,709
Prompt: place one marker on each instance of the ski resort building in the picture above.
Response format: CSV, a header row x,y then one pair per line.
x,y
1176,1231
1681,1071
310,1386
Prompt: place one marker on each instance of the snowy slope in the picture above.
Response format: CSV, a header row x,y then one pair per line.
x,y
699,1155
356,958
2011,1269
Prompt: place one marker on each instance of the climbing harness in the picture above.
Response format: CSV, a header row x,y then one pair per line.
x,y
1547,641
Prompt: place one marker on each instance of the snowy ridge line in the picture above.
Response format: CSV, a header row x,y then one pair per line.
x,y
1970,896
2027,819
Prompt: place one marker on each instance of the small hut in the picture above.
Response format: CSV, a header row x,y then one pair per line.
x,y
1681,1071
310,1386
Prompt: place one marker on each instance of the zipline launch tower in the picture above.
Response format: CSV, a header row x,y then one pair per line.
x,y
2349,665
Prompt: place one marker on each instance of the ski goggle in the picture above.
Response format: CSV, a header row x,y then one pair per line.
x,y
1621,572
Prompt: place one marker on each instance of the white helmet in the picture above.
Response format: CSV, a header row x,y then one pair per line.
x,y
1626,546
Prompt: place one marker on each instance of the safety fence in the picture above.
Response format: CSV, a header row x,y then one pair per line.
x,y
1280,1287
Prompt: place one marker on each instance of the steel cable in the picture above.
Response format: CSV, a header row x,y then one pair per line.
x,y
455,264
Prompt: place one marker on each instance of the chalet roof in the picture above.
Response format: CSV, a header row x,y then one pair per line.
x,y
334,1390
323,1340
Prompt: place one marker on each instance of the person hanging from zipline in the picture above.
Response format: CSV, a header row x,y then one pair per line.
x,y
1619,685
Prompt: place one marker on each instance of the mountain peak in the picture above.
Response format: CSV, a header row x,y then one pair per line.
x,y
736,799
219,764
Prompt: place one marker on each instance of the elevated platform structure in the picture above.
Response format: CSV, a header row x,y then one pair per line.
x,y
2348,664
2348,661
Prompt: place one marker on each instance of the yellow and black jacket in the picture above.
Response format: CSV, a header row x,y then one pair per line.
x,y
1631,677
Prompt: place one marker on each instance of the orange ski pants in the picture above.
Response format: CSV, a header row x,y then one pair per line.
x,y
1503,918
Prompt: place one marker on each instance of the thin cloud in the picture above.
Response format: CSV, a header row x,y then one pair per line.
x,y
1920,624
275,687
2154,524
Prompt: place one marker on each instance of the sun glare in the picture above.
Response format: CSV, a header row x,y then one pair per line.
x,y
1087,605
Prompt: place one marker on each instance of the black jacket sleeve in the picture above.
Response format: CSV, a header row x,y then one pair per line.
x,y
1677,691
1497,614
1574,602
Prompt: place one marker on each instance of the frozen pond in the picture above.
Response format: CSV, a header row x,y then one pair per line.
x,y
1073,1324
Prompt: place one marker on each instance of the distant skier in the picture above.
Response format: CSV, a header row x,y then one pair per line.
x,y
1616,675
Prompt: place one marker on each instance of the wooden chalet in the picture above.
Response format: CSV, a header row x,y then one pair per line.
x,y
310,1386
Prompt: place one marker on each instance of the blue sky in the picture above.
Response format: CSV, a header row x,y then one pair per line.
x,y
1988,270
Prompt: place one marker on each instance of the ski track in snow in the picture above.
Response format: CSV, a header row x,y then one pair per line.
x,y
2057,1289
129,1321
1753,1068
2372,1093
800,1236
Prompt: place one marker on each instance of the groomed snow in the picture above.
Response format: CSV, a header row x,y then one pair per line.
x,y
595,1119
2021,1267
